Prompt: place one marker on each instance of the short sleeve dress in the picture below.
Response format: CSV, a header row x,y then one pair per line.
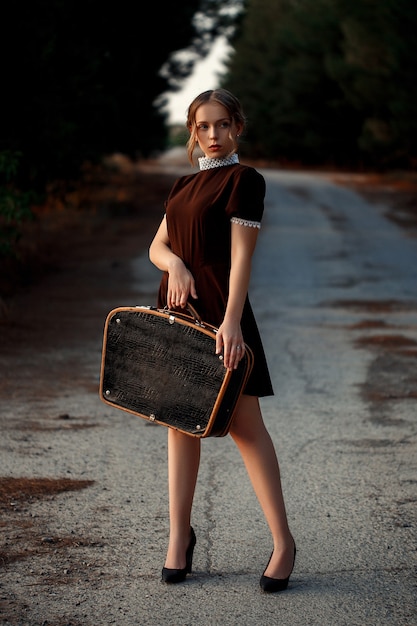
x,y
199,211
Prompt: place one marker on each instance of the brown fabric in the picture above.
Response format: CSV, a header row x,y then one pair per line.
x,y
198,210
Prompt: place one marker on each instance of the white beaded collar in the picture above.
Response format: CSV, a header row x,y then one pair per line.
x,y
207,163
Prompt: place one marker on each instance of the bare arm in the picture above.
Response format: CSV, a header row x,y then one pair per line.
x,y
180,282
230,334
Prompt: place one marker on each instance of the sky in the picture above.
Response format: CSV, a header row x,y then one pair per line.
x,y
204,77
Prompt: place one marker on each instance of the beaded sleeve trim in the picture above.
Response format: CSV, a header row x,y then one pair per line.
x,y
242,222
206,163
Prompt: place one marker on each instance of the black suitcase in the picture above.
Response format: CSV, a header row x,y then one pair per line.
x,y
161,365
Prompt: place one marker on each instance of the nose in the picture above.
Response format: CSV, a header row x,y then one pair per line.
x,y
213,133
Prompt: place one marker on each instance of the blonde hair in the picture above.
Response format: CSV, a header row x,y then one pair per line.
x,y
220,96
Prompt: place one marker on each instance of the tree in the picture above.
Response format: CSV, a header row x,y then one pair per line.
x,y
328,81
377,71
80,79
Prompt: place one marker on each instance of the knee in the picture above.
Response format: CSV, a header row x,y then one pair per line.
x,y
246,427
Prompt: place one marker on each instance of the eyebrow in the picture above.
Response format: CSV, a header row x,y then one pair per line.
x,y
222,119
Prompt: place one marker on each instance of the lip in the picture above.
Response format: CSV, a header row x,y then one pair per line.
x,y
215,147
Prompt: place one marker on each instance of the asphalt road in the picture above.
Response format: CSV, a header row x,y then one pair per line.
x,y
334,288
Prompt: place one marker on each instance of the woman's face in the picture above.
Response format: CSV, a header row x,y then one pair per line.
x,y
215,130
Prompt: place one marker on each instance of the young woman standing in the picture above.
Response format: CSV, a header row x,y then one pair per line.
x,y
204,247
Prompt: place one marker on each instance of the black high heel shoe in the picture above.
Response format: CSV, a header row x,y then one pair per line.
x,y
271,585
178,575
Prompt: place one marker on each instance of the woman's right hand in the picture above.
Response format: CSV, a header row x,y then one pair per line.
x,y
180,285
180,280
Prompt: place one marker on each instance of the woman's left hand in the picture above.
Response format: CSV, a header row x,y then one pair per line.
x,y
229,340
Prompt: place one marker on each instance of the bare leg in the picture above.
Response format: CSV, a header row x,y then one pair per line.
x,y
255,445
183,464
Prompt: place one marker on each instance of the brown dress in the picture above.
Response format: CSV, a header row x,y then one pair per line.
x,y
198,212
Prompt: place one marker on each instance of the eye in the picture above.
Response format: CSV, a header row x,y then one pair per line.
x,y
225,124
202,126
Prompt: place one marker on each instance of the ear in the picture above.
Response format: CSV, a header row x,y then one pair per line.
x,y
239,129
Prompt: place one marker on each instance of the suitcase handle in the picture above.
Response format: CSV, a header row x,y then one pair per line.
x,y
194,313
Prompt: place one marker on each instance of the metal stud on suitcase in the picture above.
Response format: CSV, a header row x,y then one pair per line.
x,y
161,365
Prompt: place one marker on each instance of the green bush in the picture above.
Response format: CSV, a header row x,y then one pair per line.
x,y
15,206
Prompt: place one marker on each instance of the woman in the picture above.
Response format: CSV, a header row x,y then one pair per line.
x,y
204,246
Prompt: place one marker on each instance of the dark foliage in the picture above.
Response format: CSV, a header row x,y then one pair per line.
x,y
329,81
80,79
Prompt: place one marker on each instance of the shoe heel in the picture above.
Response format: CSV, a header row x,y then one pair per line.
x,y
178,575
190,552
272,585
